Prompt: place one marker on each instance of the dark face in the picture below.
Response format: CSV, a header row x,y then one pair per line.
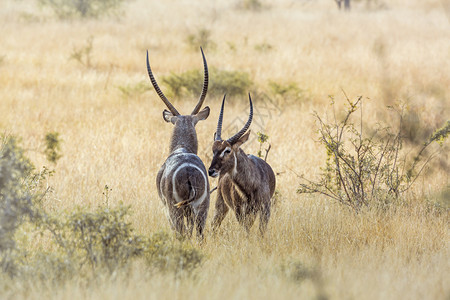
x,y
223,160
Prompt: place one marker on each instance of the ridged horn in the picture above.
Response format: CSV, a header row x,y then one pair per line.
x,y
238,135
218,136
159,92
205,86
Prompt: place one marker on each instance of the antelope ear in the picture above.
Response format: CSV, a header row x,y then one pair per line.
x,y
203,114
242,139
169,117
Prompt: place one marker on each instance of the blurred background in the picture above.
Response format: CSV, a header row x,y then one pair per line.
x,y
74,89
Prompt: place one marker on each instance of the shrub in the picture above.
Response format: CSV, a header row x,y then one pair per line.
x,y
134,90
297,272
253,5
101,238
65,9
263,47
221,82
202,38
52,147
83,54
105,241
16,199
363,170
88,243
286,91
166,255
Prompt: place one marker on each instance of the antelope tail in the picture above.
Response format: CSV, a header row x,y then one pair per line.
x,y
191,198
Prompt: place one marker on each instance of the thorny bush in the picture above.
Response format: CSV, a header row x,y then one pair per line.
x,y
364,169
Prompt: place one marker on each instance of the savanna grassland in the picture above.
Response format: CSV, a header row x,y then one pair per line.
x,y
296,54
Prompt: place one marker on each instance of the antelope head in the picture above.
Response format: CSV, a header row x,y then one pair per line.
x,y
184,134
225,152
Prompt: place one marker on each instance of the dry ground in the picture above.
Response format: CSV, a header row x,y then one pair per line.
x,y
397,54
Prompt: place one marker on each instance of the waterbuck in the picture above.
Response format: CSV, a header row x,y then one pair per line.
x,y
246,182
182,181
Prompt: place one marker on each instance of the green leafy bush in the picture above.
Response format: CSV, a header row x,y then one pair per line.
x,y
221,82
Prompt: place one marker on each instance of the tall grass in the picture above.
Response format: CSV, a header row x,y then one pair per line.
x,y
314,247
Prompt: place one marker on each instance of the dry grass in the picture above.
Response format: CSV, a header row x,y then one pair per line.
x,y
398,54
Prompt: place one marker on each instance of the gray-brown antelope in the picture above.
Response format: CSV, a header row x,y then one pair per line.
x,y
246,182
182,181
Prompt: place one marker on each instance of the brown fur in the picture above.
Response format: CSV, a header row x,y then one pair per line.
x,y
246,184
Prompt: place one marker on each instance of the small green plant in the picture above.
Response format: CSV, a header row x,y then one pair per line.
x,y
231,46
253,5
166,255
106,193
297,272
52,147
262,139
67,9
221,82
202,38
83,54
287,91
263,47
134,90
363,170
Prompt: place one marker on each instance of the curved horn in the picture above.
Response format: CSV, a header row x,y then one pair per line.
x,y
238,135
219,123
205,86
159,92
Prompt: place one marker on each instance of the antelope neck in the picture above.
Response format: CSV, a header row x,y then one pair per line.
x,y
239,161
184,136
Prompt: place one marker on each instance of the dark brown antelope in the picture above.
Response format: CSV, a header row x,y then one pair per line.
x,y
246,182
182,181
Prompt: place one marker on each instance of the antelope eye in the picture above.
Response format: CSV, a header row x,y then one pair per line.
x,y
225,152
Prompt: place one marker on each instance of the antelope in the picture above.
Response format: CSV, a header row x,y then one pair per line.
x,y
246,182
182,181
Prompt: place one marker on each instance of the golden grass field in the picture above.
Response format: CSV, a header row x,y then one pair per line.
x,y
397,54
